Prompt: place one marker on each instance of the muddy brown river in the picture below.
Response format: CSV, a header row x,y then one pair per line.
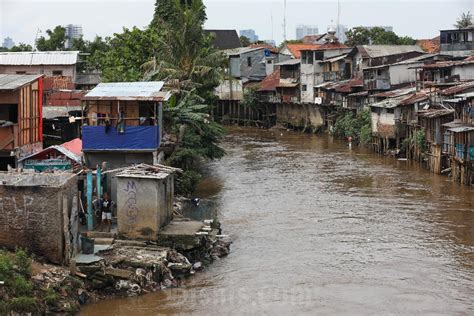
x,y
321,229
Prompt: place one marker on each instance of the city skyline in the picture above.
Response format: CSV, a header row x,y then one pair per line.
x,y
224,14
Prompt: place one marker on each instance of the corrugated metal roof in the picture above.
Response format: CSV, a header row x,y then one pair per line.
x,y
466,95
38,58
389,103
12,82
289,62
373,51
461,129
144,91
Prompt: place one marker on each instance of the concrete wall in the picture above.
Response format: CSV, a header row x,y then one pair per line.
x,y
300,115
402,74
383,124
144,205
464,72
39,212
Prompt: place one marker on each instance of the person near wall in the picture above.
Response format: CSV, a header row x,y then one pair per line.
x,y
106,208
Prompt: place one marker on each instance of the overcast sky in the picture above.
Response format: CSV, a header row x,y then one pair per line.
x,y
20,19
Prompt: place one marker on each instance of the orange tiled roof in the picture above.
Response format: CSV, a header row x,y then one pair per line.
x,y
431,46
296,49
332,46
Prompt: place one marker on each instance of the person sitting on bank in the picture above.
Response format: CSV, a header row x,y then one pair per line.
x,y
106,208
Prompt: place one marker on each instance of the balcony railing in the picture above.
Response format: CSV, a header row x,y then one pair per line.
x,y
132,138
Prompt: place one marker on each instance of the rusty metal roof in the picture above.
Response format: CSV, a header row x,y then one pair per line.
x,y
128,91
13,82
38,58
373,51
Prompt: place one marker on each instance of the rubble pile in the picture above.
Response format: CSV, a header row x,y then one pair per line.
x,y
131,267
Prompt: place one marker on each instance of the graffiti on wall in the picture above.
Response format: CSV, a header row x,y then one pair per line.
x,y
131,208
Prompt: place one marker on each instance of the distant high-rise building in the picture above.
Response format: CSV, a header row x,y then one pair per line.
x,y
303,30
386,28
8,42
72,32
270,42
250,34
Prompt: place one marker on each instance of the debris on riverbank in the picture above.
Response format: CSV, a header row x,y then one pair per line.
x,y
125,268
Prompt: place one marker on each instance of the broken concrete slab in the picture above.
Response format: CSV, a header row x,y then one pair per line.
x,y
180,234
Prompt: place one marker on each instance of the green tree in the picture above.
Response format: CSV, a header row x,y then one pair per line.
x,y
376,36
55,41
89,60
357,36
465,20
120,57
22,47
244,41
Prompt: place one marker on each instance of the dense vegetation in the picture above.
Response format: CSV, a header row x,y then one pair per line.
x,y
358,126
20,295
375,36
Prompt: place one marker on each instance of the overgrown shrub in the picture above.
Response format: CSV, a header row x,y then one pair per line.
x,y
23,304
187,182
356,126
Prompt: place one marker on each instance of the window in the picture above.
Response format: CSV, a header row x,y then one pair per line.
x,y
303,58
9,113
21,72
304,87
57,72
318,55
379,72
310,57
390,111
269,61
249,61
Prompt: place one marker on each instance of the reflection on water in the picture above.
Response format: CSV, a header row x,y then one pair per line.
x,y
321,228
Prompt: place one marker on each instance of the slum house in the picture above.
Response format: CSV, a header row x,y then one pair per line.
x,y
64,157
394,120
312,70
459,141
431,121
282,89
376,55
396,75
446,72
457,42
144,196
224,39
337,68
39,212
253,63
50,64
20,117
123,123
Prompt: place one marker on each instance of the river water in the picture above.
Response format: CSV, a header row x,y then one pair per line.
x,y
322,229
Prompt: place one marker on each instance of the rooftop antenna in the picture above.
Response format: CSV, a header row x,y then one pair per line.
x,y
338,18
284,21
38,31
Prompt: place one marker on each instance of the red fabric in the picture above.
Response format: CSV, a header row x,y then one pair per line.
x,y
40,108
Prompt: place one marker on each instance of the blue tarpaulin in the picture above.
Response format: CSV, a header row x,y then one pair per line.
x,y
134,138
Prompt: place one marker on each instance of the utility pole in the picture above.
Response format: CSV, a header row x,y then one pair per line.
x,y
284,21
